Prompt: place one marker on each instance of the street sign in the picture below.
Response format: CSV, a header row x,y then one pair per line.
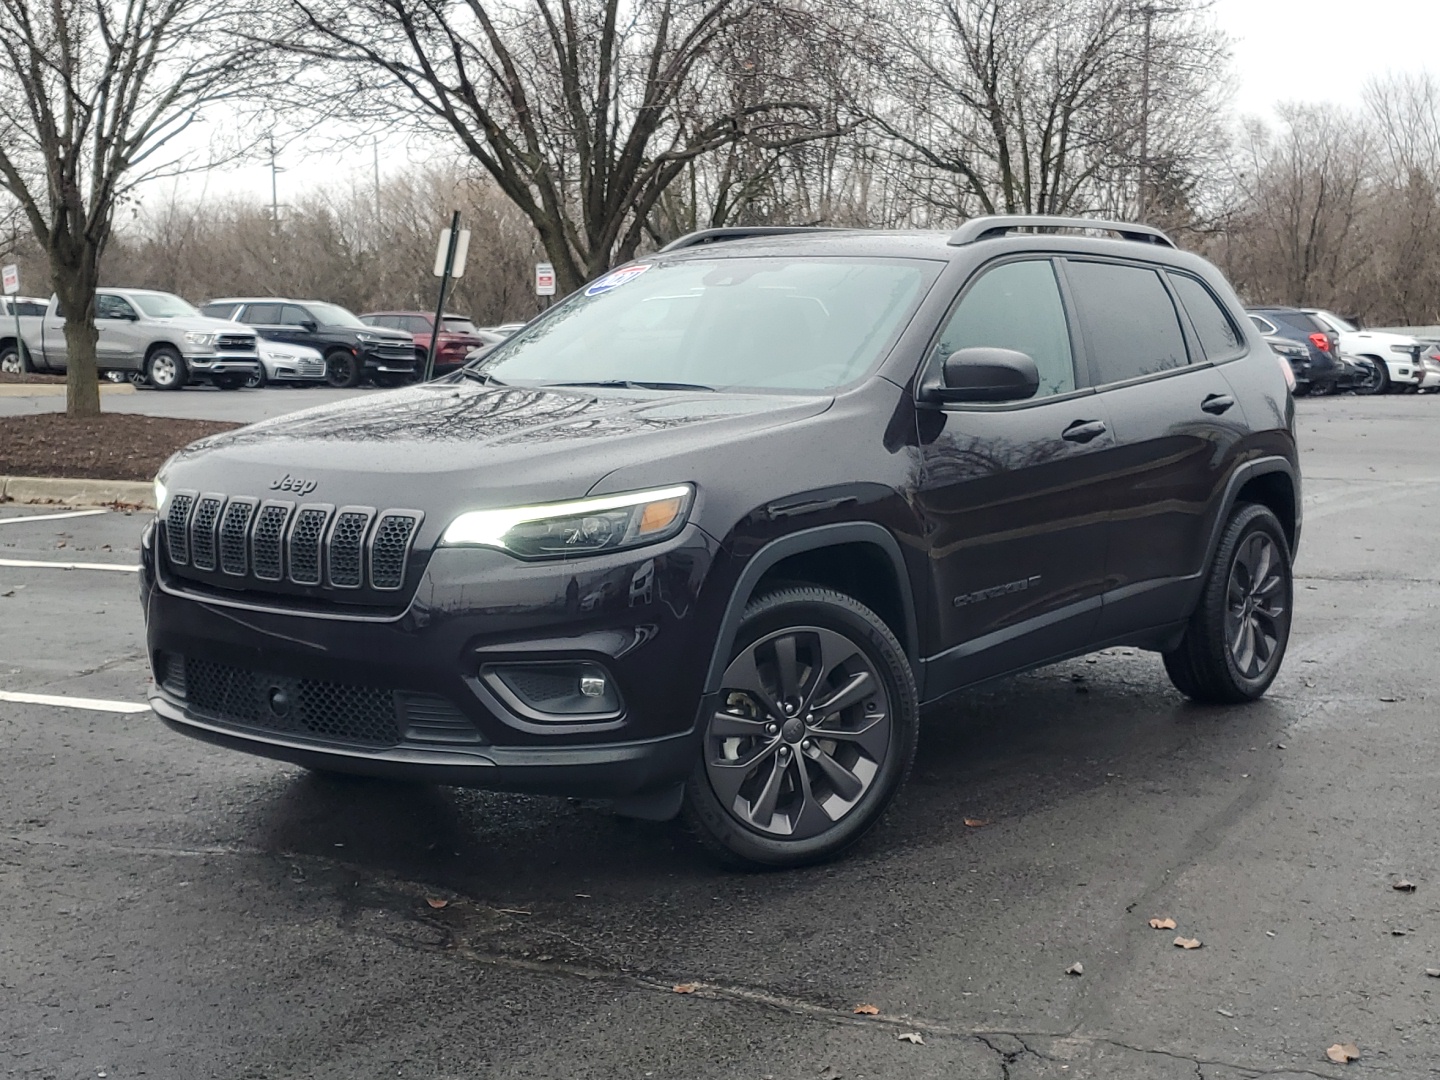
x,y
462,248
544,279
11,276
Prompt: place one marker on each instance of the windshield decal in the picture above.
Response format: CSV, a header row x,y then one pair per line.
x,y
615,279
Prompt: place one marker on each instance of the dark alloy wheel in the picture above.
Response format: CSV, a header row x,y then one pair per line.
x,y
1236,639
809,738
165,369
1377,379
343,369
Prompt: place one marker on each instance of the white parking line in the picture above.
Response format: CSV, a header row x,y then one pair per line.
x,y
52,517
70,565
92,704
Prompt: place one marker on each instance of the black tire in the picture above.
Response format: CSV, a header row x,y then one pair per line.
x,y
343,369
14,361
257,380
1379,381
1212,663
165,369
228,382
1321,389
839,648
1302,389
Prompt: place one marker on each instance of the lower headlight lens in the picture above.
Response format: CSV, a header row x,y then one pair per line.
x,y
582,527
200,339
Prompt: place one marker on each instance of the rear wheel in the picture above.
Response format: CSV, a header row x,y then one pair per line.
x,y
812,734
1377,380
343,369
13,361
256,379
165,369
1235,641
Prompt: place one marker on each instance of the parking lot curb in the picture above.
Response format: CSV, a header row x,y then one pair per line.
x,y
56,389
73,492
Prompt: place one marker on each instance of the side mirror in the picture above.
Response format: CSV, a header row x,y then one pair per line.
x,y
309,326
987,374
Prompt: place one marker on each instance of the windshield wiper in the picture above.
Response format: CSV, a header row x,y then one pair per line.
x,y
481,376
637,384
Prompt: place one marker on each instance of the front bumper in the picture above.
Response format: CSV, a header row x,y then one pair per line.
x,y
222,364
633,613
388,360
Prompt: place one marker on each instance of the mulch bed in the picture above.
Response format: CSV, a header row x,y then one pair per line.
x,y
112,446
29,377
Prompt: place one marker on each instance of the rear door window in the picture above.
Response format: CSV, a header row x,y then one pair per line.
x,y
1016,306
1129,322
263,314
293,315
1218,335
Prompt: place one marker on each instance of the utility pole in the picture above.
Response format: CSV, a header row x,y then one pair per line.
x,y
1147,12
375,142
275,170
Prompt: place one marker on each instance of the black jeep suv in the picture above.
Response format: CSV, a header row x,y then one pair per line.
x,y
705,536
352,349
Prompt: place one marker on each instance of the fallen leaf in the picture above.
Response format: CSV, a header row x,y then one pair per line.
x,y
1188,942
437,904
911,1037
1166,923
866,1010
1387,699
1398,933
1076,968
976,822
1279,746
684,988
1340,1053
1403,886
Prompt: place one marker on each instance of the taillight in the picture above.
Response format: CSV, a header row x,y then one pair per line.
x,y
1289,373
1320,341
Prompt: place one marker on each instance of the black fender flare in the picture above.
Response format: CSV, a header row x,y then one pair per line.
x,y
821,536
1238,479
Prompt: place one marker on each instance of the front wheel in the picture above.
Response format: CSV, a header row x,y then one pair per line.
x,y
256,380
1235,641
165,369
811,735
343,369
1377,379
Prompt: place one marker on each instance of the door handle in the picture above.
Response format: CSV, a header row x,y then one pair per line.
x,y
1082,431
1217,403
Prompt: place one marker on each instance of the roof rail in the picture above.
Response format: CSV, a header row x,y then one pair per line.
x,y
989,228
737,232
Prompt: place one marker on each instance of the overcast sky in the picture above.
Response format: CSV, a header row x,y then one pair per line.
x,y
1284,50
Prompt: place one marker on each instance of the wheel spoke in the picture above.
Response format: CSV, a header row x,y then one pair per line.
x,y
856,689
762,811
727,725
727,777
742,674
787,670
847,785
1264,645
1244,648
872,736
1268,587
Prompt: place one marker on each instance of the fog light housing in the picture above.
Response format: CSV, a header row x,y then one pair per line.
x,y
555,691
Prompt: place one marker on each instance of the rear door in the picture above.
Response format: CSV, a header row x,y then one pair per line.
x,y
1155,340
1014,496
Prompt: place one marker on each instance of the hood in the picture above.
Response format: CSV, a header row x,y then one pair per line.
x,y
452,443
203,324
381,333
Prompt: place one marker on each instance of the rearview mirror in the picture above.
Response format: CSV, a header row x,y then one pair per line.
x,y
987,374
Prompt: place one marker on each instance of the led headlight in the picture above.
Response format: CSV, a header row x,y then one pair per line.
x,y
160,493
582,527
200,339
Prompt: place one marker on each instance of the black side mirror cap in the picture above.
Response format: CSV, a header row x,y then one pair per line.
x,y
986,374
309,325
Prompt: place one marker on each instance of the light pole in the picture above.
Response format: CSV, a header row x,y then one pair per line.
x,y
1147,12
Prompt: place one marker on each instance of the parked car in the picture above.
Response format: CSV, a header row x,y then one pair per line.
x,y
458,336
288,363
1395,356
351,349
1297,356
705,536
142,333
1430,365
1325,371
488,340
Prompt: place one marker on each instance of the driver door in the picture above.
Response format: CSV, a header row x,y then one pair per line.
x,y
1014,495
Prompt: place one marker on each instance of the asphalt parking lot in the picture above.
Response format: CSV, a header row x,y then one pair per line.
x,y
173,910
192,403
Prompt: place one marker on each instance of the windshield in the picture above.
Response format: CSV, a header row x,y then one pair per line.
x,y
335,315
1338,323
162,305
745,323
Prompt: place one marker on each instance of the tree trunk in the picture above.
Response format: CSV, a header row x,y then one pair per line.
x,y
75,287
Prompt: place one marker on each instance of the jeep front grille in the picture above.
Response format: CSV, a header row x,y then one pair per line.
x,y
313,545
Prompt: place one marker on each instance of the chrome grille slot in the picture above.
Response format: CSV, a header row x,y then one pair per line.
x,y
177,527
267,540
346,549
235,536
304,547
390,547
202,531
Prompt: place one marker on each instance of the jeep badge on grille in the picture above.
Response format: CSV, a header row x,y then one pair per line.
x,y
292,483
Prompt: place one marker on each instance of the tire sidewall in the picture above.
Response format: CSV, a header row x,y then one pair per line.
x,y
812,606
17,357
1248,520
355,369
181,372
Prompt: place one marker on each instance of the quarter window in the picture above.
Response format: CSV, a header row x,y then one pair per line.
x,y
1218,335
1130,325
1016,306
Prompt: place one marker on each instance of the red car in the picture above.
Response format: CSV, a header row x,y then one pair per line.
x,y
458,335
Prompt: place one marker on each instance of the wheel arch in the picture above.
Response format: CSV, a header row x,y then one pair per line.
x,y
156,346
861,559
1270,482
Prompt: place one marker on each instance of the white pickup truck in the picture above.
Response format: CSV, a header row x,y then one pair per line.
x,y
1396,357
144,334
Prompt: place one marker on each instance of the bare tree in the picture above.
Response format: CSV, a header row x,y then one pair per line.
x,y
584,112
93,97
